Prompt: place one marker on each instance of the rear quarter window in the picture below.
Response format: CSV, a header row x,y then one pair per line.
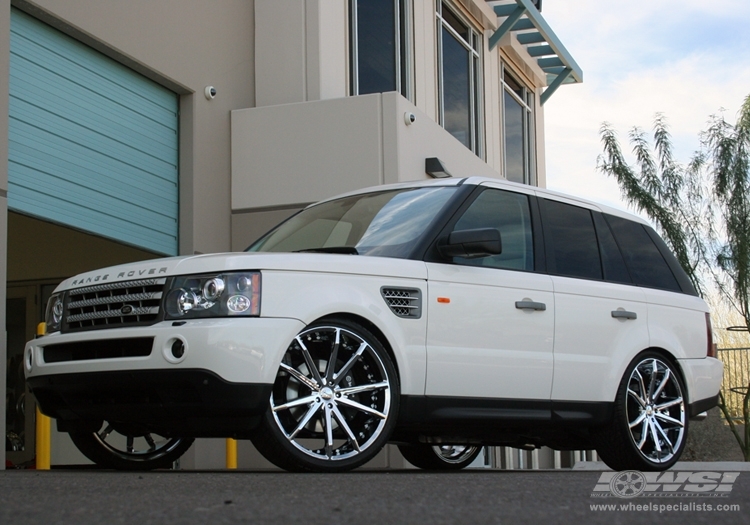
x,y
644,260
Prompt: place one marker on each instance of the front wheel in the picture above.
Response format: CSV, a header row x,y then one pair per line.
x,y
649,429
334,402
442,457
123,448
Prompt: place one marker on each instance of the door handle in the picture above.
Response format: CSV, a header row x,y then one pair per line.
x,y
624,314
530,305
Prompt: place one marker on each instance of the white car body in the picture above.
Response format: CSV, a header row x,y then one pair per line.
x,y
471,340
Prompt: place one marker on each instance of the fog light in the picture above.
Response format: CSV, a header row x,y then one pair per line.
x,y
178,349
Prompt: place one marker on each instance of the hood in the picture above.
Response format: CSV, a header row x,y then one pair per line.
x,y
241,261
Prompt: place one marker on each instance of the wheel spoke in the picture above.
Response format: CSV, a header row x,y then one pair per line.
x,y
310,363
673,402
652,383
343,424
638,398
350,391
665,417
641,384
329,431
359,406
664,435
349,364
644,434
654,437
299,376
129,446
151,443
305,420
106,432
295,403
637,421
663,383
331,368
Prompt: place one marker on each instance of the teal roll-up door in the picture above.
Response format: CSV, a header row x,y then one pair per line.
x,y
92,143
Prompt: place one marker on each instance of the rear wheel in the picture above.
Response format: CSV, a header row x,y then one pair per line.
x,y
443,457
122,448
649,429
334,402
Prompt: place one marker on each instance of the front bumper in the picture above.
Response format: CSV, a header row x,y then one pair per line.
x,y
187,403
217,386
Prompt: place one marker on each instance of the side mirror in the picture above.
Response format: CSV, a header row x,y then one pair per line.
x,y
481,242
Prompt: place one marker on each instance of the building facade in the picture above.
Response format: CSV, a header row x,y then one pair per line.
x,y
151,128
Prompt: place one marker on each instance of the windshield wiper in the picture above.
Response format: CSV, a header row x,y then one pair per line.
x,y
349,250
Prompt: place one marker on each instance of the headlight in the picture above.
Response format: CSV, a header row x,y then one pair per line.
x,y
224,295
54,314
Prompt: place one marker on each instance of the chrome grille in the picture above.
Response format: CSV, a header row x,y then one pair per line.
x,y
404,302
114,304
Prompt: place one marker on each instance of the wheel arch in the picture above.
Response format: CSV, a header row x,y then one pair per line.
x,y
671,358
371,327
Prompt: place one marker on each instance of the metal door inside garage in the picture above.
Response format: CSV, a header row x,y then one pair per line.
x,y
92,144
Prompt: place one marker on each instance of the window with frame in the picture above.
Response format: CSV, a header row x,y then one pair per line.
x,y
572,244
510,214
518,130
380,46
459,78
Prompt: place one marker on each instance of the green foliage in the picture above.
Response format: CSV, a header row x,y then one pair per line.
x,y
702,209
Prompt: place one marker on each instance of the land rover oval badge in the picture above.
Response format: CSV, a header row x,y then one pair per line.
x,y
126,309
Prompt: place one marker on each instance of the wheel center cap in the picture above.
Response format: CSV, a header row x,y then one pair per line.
x,y
649,410
326,393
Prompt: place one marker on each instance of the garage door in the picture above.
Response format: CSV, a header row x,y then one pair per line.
x,y
92,144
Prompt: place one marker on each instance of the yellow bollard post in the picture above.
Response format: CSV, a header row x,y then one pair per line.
x,y
231,453
43,431
43,425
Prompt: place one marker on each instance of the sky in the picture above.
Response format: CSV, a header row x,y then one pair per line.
x,y
687,59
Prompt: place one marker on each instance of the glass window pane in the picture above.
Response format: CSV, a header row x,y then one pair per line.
x,y
458,26
645,262
509,213
456,88
569,231
515,167
376,46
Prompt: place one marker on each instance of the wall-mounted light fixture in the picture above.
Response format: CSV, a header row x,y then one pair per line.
x,y
435,168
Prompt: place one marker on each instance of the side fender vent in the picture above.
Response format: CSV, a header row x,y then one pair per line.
x,y
404,302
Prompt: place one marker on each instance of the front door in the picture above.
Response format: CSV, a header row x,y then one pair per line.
x,y
491,319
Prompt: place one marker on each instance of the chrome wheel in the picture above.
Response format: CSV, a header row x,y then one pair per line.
x,y
333,402
655,411
649,424
123,448
456,454
440,457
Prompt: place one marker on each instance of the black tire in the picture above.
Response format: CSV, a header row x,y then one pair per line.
x,y
443,457
111,449
324,418
649,427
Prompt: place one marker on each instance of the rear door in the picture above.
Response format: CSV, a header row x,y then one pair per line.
x,y
601,318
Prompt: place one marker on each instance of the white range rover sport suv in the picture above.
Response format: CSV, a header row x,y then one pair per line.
x,y
438,316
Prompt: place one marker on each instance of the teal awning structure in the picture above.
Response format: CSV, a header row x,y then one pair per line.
x,y
532,31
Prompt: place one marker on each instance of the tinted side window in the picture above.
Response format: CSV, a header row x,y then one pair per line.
x,y
645,262
572,248
509,213
612,262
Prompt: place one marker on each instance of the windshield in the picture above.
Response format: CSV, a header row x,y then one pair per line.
x,y
385,224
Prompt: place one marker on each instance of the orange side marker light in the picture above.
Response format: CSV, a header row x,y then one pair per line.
x,y
445,300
